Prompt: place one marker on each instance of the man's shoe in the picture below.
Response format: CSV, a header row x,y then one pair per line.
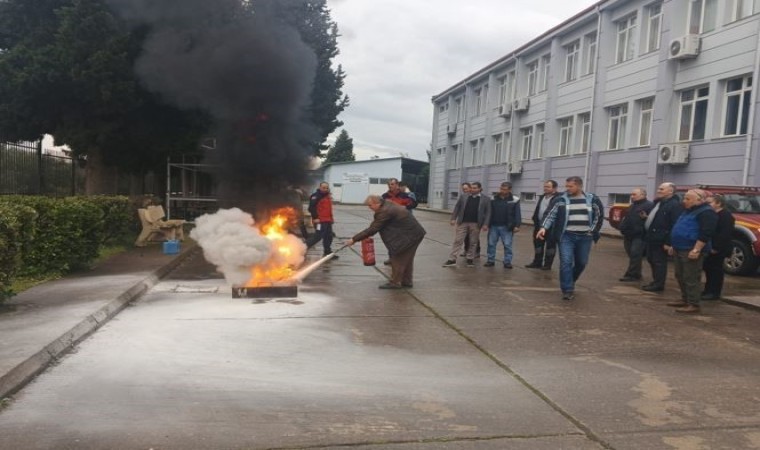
x,y
629,279
710,297
407,285
546,267
677,304
689,309
652,288
390,286
533,265
508,265
567,296
489,264
450,263
387,262
470,263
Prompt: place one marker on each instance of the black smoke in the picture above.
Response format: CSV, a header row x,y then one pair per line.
x,y
246,68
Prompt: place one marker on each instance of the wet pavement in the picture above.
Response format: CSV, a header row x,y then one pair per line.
x,y
470,358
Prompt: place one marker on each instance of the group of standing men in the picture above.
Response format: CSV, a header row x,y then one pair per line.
x,y
572,219
695,231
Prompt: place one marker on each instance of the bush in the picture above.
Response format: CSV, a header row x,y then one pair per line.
x,y
16,231
118,217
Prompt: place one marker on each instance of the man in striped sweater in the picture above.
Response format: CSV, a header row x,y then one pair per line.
x,y
574,221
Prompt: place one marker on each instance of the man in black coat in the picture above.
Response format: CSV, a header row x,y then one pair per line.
x,y
543,249
632,229
657,226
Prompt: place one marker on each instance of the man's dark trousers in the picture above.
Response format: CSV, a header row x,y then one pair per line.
x,y
658,259
325,233
634,248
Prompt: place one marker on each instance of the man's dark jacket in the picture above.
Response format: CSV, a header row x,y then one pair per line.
x,y
663,221
632,225
537,221
398,228
506,211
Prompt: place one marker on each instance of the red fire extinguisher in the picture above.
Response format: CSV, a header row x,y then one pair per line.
x,y
368,251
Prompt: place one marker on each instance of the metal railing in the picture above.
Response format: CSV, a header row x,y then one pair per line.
x,y
26,170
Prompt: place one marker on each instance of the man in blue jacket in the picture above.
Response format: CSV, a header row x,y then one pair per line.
x,y
575,220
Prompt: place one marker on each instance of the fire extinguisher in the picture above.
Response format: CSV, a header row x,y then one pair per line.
x,y
368,251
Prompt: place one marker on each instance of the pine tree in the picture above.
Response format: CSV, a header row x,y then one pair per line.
x,y
342,150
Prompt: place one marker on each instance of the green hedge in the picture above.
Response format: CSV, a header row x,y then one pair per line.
x,y
44,235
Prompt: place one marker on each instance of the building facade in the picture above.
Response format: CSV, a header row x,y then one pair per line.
x,y
626,93
352,181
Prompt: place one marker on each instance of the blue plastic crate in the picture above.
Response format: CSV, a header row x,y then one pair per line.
x,y
171,247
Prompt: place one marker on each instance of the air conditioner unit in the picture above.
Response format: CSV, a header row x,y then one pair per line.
x,y
505,110
521,104
673,154
684,47
451,129
514,167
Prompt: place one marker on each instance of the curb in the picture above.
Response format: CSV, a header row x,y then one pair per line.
x,y
15,379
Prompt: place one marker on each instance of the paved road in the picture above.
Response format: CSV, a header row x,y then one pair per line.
x,y
470,358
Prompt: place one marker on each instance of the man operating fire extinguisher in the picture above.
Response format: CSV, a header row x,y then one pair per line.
x,y
321,210
401,234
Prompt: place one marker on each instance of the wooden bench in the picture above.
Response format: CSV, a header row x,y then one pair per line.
x,y
155,228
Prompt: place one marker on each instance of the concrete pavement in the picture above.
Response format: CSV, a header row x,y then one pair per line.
x,y
469,358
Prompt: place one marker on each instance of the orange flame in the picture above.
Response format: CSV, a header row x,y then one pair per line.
x,y
274,269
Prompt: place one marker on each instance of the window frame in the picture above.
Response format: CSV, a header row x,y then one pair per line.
x,y
589,63
572,60
743,107
617,121
646,116
532,77
626,27
540,134
498,148
526,139
654,41
545,68
584,138
566,125
695,104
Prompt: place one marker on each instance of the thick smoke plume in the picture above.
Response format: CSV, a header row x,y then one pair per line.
x,y
232,243
245,67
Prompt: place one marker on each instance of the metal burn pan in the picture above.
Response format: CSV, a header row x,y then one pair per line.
x,y
265,291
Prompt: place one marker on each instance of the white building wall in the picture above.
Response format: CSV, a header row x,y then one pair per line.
x,y
353,182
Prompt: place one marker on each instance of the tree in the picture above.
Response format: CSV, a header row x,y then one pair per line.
x,y
67,70
342,150
312,19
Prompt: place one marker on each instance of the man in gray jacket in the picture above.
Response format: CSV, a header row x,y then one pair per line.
x,y
471,214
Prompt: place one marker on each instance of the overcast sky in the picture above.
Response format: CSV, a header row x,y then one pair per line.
x,y
397,54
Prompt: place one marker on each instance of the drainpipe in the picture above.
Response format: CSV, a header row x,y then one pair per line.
x,y
587,169
512,120
460,156
751,123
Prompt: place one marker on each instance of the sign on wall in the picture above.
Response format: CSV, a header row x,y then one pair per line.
x,y
355,177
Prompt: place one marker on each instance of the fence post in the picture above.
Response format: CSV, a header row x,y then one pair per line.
x,y
40,169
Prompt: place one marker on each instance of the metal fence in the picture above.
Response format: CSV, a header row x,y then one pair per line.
x,y
26,170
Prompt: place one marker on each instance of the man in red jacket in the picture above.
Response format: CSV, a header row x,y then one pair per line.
x,y
321,210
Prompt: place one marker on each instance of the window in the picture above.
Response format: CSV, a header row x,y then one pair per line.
x,y
527,196
545,71
565,135
540,140
693,112
654,25
477,102
625,29
589,62
460,112
498,148
737,105
618,117
572,52
440,151
532,77
475,152
618,198
454,161
453,195
527,142
703,15
645,121
440,109
584,128
507,88
740,9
